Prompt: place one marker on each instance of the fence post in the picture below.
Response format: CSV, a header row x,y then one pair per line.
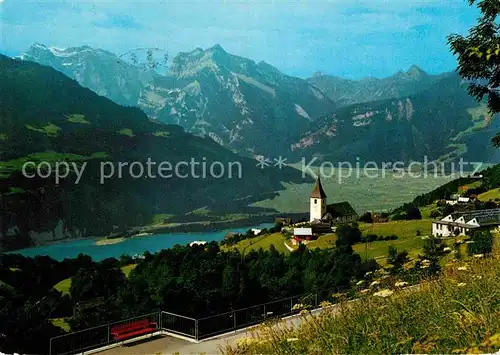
x,y
291,305
50,346
316,300
196,329
108,330
159,320
265,314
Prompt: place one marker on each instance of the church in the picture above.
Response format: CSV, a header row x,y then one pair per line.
x,y
322,213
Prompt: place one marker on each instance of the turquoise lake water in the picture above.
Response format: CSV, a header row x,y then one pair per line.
x,y
131,246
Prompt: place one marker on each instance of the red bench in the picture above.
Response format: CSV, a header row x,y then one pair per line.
x,y
125,331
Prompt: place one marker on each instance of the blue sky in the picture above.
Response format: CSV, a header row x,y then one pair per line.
x,y
347,38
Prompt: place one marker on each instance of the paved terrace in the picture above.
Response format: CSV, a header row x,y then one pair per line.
x,y
167,345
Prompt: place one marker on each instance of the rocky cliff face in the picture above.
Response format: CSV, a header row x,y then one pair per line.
x,y
246,106
440,123
99,70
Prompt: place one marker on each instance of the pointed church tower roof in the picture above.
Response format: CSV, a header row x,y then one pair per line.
x,y
318,191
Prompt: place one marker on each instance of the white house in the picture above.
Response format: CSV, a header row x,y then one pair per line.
x,y
464,222
196,242
302,235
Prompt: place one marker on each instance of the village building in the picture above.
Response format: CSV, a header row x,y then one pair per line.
x,y
302,235
461,223
324,214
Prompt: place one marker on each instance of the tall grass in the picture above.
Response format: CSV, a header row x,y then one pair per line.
x,y
457,313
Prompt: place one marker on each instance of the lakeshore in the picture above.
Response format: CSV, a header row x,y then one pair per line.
x,y
128,246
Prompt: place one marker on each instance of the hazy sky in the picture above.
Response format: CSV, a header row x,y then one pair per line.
x,y
347,38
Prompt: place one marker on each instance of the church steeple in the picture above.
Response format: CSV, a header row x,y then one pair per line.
x,y
317,201
318,191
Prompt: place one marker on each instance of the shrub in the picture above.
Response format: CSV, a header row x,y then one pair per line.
x,y
348,235
366,217
435,214
412,212
482,243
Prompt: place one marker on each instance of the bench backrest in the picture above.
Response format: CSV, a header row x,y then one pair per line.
x,y
125,328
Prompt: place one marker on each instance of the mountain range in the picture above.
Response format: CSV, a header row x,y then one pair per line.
x,y
254,109
46,116
347,92
442,123
245,106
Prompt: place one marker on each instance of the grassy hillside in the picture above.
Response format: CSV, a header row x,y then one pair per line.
x,y
492,195
405,230
459,313
258,242
47,117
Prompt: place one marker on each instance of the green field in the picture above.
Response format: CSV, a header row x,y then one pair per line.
x,y
263,242
76,118
490,195
64,286
126,132
405,230
61,323
50,130
128,268
364,193
51,157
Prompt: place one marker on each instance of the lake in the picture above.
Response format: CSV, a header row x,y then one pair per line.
x,y
130,246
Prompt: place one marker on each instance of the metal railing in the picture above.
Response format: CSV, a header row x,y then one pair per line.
x,y
196,329
245,317
177,324
92,338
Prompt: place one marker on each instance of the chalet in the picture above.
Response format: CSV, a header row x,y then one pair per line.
x,y
335,213
302,235
462,223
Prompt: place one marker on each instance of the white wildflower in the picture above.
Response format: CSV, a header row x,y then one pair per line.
x,y
462,268
447,249
478,255
369,273
374,283
401,284
383,293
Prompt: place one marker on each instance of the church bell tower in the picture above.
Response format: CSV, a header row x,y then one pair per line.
x,y
317,202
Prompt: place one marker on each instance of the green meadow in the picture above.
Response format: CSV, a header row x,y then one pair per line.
x,y
378,191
